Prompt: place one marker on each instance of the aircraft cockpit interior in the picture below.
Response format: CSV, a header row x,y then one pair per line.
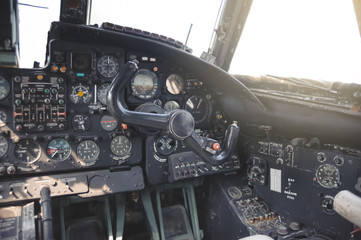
x,y
123,133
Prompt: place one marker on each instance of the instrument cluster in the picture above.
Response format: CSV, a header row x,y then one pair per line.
x,y
56,118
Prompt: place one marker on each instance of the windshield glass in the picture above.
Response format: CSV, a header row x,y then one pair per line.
x,y
316,39
170,18
301,38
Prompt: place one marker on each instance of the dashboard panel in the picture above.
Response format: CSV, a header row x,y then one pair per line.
x,y
305,179
56,119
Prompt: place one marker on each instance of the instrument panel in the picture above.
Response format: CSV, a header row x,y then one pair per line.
x,y
305,180
56,119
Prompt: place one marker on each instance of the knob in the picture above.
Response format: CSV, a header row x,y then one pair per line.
x,y
295,226
321,157
11,169
33,90
17,101
282,230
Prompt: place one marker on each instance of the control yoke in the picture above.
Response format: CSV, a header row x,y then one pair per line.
x,y
179,123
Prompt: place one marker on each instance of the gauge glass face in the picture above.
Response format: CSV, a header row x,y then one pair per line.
x,y
58,149
81,122
175,84
144,84
198,107
27,150
108,66
108,123
4,88
171,105
120,146
166,145
81,94
88,151
3,118
102,93
328,176
234,192
3,146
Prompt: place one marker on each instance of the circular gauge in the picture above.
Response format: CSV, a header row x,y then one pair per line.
x,y
108,123
81,122
4,88
58,149
321,157
120,146
234,192
171,105
3,146
3,118
102,93
166,145
175,84
328,176
198,107
88,151
338,161
81,94
108,66
27,150
144,84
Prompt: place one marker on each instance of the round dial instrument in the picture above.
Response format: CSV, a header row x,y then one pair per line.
x,y
3,118
102,93
4,88
199,108
170,105
27,150
234,192
3,146
166,145
81,94
88,151
328,176
144,84
108,66
58,149
175,84
108,123
120,146
81,122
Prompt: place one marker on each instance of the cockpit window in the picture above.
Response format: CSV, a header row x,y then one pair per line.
x,y
306,39
170,18
34,23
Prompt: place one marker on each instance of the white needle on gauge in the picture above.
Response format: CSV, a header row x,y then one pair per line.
x,y
199,103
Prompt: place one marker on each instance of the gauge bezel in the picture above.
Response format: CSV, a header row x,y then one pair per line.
x,y
37,146
7,87
175,103
125,155
176,78
105,85
2,138
104,73
338,177
58,159
93,160
151,93
110,118
206,115
81,100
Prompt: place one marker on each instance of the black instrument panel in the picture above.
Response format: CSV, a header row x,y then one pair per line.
x,y
305,180
56,119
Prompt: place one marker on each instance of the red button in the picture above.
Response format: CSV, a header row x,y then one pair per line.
x,y
216,146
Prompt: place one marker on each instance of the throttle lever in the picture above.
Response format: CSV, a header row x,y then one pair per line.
x,y
195,142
